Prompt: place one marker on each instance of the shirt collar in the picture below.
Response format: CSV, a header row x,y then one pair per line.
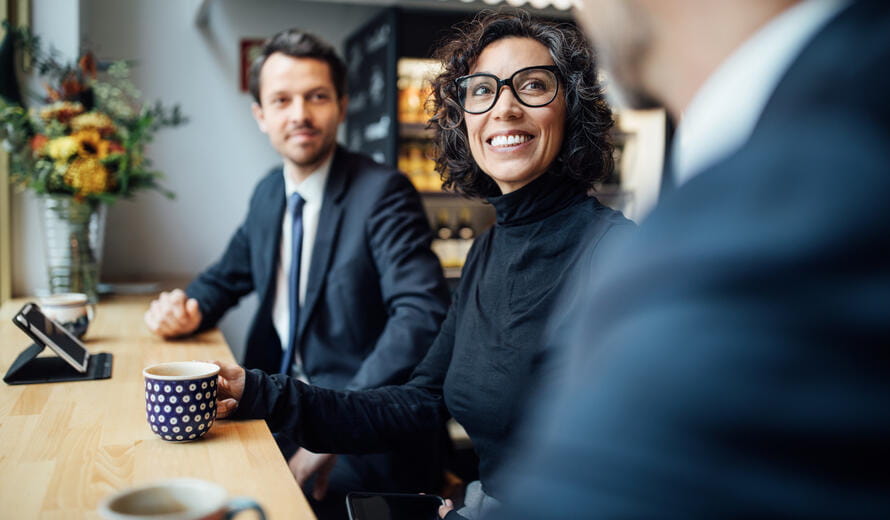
x,y
723,112
312,188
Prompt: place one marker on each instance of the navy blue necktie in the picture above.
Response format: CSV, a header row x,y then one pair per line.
x,y
295,209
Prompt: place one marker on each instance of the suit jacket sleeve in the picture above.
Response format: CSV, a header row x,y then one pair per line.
x,y
224,283
412,287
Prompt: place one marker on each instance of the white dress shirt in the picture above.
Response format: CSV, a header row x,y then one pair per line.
x,y
312,192
722,114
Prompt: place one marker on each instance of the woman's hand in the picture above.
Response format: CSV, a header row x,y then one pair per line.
x,y
304,464
230,388
446,508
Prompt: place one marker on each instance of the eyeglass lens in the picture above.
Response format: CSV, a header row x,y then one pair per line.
x,y
534,87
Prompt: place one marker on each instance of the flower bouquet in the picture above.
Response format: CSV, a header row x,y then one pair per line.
x,y
81,149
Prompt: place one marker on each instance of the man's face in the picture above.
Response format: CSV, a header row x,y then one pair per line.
x,y
621,31
299,110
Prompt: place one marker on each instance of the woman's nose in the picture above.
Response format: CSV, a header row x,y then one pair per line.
x,y
507,106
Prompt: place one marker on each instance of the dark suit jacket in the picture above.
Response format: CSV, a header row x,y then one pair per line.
x,y
375,295
736,361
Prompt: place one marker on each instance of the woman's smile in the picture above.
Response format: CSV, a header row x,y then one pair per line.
x,y
509,141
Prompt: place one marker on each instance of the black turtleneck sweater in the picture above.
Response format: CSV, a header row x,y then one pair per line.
x,y
489,351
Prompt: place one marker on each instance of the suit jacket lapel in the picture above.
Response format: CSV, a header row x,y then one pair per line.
x,y
269,236
326,235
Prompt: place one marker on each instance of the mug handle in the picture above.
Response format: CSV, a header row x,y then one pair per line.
x,y
91,311
238,504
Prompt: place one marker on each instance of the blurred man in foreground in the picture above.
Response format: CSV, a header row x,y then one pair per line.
x,y
744,370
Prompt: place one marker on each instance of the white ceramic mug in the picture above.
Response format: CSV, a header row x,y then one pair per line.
x,y
71,310
176,499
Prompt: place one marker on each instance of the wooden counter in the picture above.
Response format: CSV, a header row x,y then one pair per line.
x,y
65,446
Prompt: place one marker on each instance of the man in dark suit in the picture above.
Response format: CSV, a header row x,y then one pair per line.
x,y
337,248
734,360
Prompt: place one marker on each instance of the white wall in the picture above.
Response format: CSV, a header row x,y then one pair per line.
x,y
58,23
213,162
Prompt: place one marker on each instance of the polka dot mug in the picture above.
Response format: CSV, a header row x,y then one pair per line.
x,y
180,399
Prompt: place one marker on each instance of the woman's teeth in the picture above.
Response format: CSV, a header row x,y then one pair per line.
x,y
509,140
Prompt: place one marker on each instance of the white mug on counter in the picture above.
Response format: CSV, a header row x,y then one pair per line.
x,y
71,310
176,499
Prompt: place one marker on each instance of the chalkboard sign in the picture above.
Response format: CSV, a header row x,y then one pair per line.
x,y
371,125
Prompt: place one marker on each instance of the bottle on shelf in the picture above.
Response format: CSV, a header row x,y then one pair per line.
x,y
445,243
465,234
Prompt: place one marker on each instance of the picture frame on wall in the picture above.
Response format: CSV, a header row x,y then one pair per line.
x,y
250,48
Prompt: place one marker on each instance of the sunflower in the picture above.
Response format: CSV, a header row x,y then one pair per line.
x,y
90,144
93,121
87,175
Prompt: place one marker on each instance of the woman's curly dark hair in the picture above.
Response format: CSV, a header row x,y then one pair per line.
x,y
586,153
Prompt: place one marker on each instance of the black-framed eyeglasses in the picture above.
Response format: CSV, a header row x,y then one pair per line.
x,y
532,86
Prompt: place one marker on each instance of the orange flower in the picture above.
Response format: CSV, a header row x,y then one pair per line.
x,y
38,142
51,93
87,64
72,86
115,147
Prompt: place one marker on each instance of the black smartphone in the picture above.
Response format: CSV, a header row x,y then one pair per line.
x,y
392,506
50,333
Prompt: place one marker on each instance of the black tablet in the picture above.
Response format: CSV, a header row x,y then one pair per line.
x,y
50,333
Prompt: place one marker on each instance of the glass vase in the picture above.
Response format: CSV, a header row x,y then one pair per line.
x,y
73,234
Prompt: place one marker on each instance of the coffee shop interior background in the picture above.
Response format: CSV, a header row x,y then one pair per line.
x,y
188,52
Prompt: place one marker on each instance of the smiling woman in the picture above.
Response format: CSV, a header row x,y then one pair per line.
x,y
520,120
554,104
515,137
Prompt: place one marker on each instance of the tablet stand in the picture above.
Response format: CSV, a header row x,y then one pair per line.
x,y
28,368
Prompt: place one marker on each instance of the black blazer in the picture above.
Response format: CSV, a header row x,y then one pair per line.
x,y
375,296
736,362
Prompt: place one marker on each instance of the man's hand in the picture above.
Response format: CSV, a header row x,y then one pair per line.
x,y
230,388
304,464
173,314
446,508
